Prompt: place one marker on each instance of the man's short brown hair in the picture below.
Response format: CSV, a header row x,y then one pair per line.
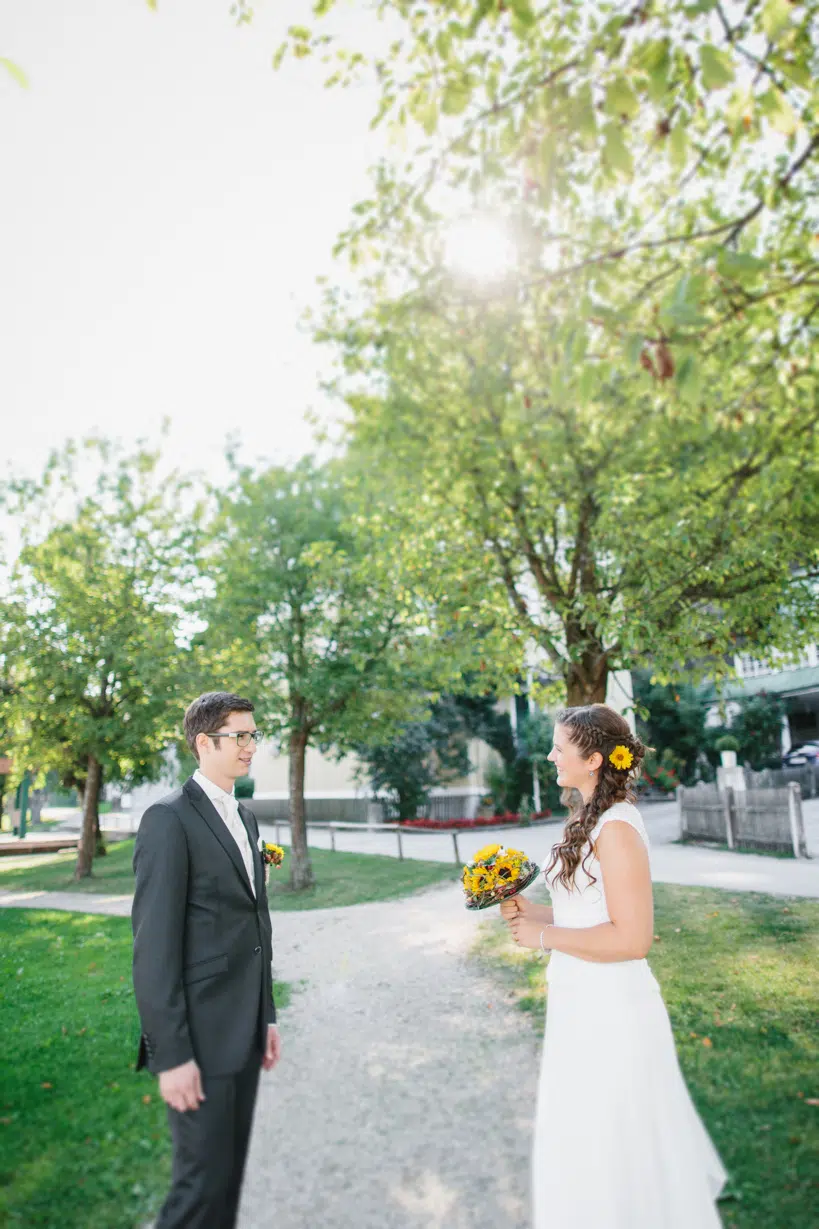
x,y
207,713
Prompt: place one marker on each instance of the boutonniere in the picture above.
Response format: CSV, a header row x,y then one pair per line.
x,y
272,855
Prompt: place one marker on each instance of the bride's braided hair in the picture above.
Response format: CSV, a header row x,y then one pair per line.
x,y
594,727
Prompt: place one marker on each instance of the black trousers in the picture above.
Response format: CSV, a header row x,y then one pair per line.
x,y
209,1152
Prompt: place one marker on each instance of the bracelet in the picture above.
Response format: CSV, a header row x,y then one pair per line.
x,y
545,928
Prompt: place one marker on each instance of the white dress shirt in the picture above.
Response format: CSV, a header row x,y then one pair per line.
x,y
228,808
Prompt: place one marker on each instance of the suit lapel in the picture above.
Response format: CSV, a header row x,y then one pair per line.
x,y
258,871
213,819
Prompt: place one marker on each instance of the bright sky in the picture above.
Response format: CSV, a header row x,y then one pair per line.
x,y
167,203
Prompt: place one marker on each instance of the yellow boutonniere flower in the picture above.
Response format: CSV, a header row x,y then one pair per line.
x,y
621,757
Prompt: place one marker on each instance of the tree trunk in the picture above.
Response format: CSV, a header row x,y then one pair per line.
x,y
301,870
90,819
100,848
588,673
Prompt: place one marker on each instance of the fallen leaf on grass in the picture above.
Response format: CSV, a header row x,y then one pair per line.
x,y
46,1084
146,1100
707,1042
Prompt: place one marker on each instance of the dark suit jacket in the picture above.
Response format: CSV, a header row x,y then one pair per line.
x,y
202,942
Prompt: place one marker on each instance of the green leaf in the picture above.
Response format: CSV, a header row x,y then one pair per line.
x,y
781,115
615,151
456,96
584,116
688,378
15,71
678,146
717,67
621,99
796,71
656,61
523,12
776,16
741,266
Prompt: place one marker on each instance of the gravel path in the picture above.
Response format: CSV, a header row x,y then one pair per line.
x,y
405,1096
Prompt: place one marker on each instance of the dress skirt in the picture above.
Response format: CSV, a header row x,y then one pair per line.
x,y
618,1142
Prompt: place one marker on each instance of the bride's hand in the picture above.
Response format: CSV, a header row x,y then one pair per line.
x,y
517,906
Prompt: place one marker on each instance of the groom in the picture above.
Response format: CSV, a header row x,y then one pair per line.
x,y
202,965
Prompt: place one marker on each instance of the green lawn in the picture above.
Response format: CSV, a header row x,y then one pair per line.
x,y
83,1137
341,878
740,977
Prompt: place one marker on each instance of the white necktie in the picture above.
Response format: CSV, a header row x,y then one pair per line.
x,y
233,820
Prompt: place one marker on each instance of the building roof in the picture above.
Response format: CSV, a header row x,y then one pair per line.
x,y
779,682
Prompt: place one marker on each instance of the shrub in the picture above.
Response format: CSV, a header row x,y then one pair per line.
x,y
244,787
727,743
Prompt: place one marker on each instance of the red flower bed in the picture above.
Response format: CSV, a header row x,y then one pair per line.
x,y
444,825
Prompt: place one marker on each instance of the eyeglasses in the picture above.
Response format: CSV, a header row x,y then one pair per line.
x,y
243,737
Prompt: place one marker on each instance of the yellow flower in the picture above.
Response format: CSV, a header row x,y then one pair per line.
x,y
483,880
507,869
488,851
621,757
273,855
516,853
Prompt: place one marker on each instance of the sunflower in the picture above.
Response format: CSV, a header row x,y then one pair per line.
x,y
621,757
483,879
488,851
507,869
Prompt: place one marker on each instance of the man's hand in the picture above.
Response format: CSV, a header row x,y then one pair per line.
x,y
181,1087
273,1049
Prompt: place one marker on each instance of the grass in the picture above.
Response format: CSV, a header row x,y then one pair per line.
x,y
83,1137
341,878
740,977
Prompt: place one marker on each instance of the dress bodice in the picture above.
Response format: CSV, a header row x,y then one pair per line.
x,y
585,903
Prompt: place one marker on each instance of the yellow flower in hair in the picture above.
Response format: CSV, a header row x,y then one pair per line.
x,y
621,757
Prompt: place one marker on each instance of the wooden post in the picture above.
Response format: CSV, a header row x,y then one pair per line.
x,y
400,846
455,843
681,810
800,849
333,837
728,812
278,837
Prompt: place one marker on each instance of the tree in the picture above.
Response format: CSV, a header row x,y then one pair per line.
x,y
416,757
626,526
671,717
758,730
316,615
622,425
93,643
632,148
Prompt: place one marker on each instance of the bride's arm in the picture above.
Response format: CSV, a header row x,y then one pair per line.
x,y
627,881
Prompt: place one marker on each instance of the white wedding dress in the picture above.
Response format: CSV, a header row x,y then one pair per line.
x,y
618,1141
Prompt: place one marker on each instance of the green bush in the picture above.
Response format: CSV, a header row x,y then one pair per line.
x,y
727,743
244,787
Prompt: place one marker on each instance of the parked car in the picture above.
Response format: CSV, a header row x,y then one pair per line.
x,y
804,753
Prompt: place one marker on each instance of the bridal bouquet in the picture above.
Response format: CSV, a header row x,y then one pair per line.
x,y
495,874
272,855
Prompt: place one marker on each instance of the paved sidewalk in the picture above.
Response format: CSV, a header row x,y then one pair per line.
x,y
69,902
670,862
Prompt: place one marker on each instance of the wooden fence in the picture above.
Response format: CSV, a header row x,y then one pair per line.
x,y
769,820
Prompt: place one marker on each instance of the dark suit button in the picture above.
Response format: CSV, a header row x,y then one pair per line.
x,y
256,951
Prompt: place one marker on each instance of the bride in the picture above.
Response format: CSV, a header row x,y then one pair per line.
x,y
618,1142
